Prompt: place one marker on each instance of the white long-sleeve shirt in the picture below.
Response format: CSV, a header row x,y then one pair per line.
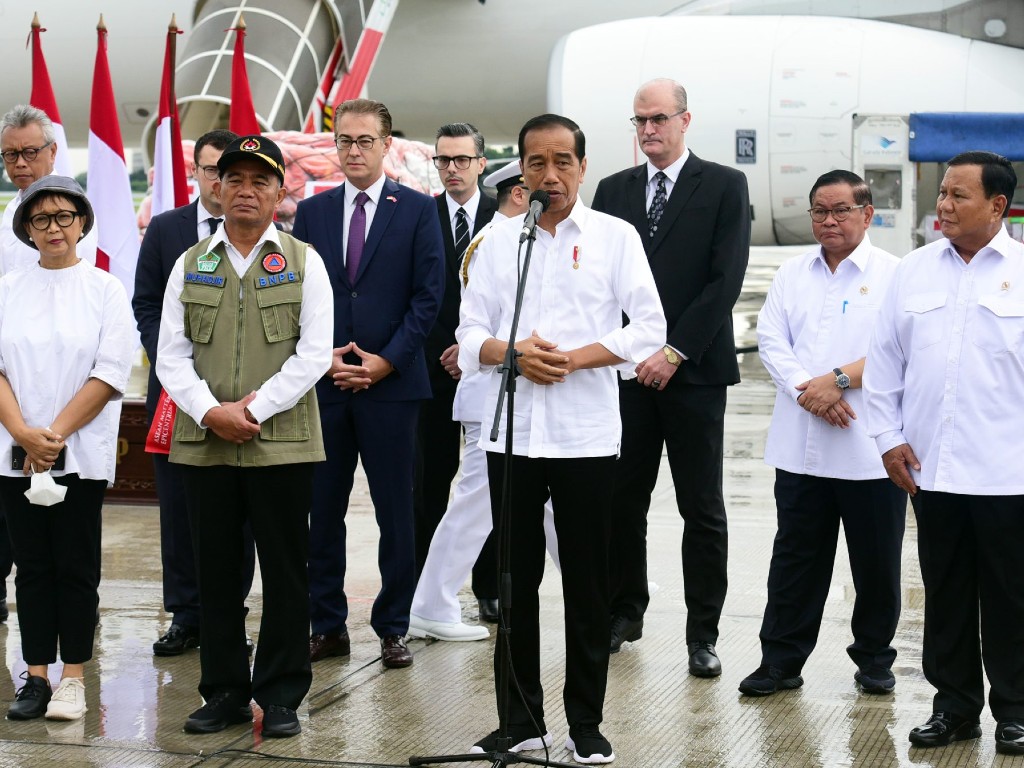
x,y
300,372
58,329
812,322
571,307
945,369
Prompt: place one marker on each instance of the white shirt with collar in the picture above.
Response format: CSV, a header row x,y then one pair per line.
x,y
572,307
812,321
945,370
374,192
671,173
203,218
14,254
470,207
300,372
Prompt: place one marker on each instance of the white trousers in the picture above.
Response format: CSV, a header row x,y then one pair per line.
x,y
460,536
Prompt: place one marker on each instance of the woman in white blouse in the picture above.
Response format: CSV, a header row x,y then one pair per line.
x,y
66,340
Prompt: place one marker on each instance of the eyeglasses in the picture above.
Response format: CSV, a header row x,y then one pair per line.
x,y
461,161
363,142
29,153
840,214
656,120
42,221
211,172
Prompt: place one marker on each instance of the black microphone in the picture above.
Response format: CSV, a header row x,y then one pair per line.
x,y
539,202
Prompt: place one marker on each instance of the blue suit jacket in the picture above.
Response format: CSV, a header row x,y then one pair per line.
x,y
395,298
168,235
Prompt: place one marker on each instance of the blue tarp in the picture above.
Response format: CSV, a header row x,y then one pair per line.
x,y
936,136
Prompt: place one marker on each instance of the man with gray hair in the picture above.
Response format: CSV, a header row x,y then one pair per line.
x,y
463,211
28,146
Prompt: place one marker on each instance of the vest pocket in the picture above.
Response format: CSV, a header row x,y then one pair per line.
x,y
186,430
279,308
291,425
201,305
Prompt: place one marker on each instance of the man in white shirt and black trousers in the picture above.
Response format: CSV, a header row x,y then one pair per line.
x,y
945,382
813,334
587,269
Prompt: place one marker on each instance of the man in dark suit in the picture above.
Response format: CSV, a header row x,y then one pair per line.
x,y
384,254
168,236
694,219
463,211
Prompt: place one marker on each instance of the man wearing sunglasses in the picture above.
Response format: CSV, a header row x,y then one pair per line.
x,y
463,211
694,219
28,146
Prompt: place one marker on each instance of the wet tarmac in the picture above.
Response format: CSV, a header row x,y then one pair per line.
x,y
656,715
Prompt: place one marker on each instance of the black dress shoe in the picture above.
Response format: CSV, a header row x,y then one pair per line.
x,y
250,646
944,728
178,639
280,722
766,680
322,646
704,660
625,631
488,609
32,698
218,713
877,680
393,652
1010,737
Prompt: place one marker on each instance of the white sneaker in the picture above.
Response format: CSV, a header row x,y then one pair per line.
x,y
445,630
68,701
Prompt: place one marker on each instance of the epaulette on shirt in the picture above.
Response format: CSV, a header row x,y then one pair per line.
x,y
468,255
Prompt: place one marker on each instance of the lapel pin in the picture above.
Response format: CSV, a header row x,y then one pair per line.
x,y
1005,286
392,199
576,257
863,290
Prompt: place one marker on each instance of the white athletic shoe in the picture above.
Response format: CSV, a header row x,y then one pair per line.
x,y
68,701
444,630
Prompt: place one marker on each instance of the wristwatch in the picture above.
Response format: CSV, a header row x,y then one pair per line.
x,y
671,356
842,380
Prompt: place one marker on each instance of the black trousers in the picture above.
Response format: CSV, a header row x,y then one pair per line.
x,y
970,549
275,501
809,509
6,554
580,491
438,447
177,559
57,550
689,421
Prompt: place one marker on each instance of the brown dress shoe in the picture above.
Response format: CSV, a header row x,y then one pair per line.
x,y
330,644
393,652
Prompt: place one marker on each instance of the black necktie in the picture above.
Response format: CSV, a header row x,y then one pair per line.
x,y
657,204
461,232
214,223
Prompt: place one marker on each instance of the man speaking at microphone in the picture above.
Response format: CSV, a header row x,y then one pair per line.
x,y
587,268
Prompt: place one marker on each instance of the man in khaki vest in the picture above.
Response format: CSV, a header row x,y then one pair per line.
x,y
245,333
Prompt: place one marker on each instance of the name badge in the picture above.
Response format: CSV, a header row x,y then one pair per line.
x,y
282,279
195,277
208,262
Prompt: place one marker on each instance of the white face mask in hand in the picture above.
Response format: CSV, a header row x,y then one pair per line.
x,y
44,491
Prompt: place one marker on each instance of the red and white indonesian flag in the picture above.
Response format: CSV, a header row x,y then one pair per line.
x,y
242,117
42,98
109,189
170,186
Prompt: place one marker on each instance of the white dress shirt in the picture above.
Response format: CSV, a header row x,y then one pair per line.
x,y
370,207
812,322
58,329
945,370
470,207
14,254
671,175
571,308
297,376
203,219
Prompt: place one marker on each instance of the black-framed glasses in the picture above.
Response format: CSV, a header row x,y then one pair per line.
x,y
840,214
363,142
461,161
29,153
656,120
211,172
41,221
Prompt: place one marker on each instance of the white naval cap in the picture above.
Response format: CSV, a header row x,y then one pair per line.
x,y
508,175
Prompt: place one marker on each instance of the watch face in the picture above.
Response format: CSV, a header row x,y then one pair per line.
x,y
843,381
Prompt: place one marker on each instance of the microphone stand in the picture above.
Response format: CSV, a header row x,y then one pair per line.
x,y
501,754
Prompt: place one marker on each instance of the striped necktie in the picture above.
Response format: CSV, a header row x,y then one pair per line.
x,y
461,232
